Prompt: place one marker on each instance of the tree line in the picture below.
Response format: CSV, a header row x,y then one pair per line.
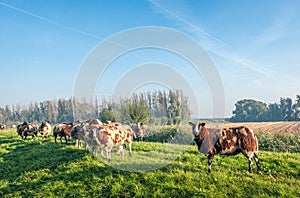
x,y
248,110
158,107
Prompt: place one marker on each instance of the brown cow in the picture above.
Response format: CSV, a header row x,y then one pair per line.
x,y
226,141
63,130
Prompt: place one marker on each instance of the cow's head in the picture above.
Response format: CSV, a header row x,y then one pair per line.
x,y
197,129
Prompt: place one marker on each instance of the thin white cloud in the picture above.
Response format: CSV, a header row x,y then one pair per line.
x,y
60,25
50,21
180,19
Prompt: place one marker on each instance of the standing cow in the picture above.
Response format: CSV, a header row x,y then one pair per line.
x,y
80,131
113,134
44,130
139,131
26,129
226,141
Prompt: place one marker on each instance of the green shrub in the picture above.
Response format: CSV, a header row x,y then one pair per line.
x,y
279,142
168,133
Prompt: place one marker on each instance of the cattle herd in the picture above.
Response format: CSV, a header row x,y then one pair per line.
x,y
92,132
97,136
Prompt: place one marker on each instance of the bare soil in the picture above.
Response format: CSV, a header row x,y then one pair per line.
x,y
273,127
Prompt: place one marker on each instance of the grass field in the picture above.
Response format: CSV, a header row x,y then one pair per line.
x,y
36,169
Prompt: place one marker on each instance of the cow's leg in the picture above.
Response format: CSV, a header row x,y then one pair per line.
x,y
108,151
210,159
257,161
101,150
85,145
95,151
121,149
130,151
250,156
250,164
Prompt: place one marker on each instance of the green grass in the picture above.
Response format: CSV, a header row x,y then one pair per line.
x,y
35,169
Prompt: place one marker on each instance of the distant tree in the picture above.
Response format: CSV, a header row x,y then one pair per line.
x,y
7,114
286,108
296,108
249,110
274,112
65,111
107,114
138,110
174,108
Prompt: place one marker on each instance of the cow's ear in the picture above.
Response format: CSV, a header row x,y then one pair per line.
x,y
191,123
202,124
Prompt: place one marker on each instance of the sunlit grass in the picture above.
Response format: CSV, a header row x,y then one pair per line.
x,y
35,169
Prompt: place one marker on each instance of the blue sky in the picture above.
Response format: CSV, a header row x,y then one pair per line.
x,y
254,44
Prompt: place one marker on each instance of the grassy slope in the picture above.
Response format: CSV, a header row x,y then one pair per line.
x,y
37,169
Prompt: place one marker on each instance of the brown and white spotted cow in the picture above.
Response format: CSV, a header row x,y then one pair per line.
x,y
113,134
44,130
226,141
139,131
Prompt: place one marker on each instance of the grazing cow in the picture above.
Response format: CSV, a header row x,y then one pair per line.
x,y
226,141
25,129
44,129
139,131
63,130
21,128
75,133
109,135
2,126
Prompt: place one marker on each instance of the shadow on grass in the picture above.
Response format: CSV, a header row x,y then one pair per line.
x,y
26,156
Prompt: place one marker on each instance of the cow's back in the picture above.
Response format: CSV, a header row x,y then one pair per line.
x,y
235,140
